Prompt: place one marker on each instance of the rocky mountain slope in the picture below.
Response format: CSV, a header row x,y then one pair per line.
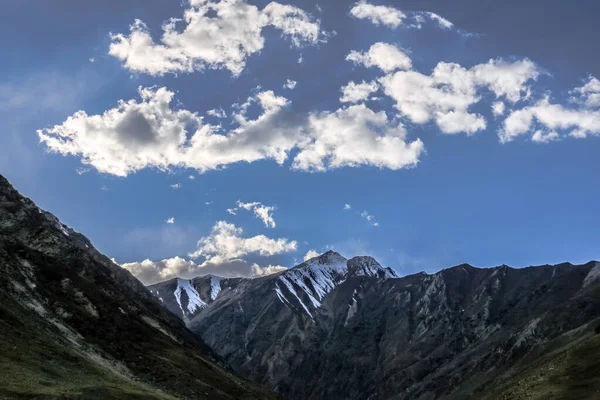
x,y
75,325
333,328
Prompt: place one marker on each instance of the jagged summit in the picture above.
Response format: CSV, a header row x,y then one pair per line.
x,y
302,288
327,258
366,265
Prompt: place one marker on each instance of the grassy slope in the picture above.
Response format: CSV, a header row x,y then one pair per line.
x,y
572,373
35,366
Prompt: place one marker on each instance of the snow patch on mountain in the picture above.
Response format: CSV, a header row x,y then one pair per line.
x,y
593,275
291,289
195,302
317,277
215,287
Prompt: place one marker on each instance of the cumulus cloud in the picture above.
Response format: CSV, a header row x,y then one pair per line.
x,y
171,220
310,254
347,207
576,122
150,272
261,211
446,95
257,270
384,56
212,34
176,186
290,84
357,92
378,15
355,136
225,242
587,95
223,251
150,134
544,136
498,108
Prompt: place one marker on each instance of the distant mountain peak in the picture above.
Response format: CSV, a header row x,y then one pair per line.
x,y
327,258
367,265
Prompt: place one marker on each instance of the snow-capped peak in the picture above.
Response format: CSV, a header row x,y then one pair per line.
x,y
317,277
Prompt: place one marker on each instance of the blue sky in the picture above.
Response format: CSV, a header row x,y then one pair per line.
x,y
433,175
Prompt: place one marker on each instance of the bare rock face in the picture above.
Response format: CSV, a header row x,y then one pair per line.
x,y
333,328
76,325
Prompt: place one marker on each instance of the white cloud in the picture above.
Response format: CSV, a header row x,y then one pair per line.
x,y
544,137
171,220
553,117
355,136
223,250
418,19
217,113
446,95
150,272
498,108
214,35
506,79
262,212
369,218
587,95
232,211
384,56
176,186
290,84
383,15
226,243
357,92
150,134
191,177
393,17
310,254
257,270
92,59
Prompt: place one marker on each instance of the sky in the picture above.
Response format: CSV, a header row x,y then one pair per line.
x,y
240,138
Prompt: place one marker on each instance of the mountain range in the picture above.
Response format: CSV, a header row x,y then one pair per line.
x,y
332,328
74,324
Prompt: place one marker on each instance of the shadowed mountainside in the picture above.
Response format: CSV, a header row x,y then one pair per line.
x,y
75,325
333,328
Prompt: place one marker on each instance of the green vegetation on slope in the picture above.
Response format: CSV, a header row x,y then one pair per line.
x,y
35,366
573,373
